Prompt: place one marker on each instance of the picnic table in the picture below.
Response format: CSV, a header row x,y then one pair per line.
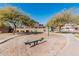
x,y
34,42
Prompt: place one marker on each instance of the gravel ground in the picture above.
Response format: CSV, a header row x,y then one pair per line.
x,y
16,47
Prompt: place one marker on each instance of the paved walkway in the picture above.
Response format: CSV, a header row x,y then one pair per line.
x,y
72,46
5,37
57,45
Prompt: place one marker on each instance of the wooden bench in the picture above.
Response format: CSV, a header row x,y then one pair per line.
x,y
34,42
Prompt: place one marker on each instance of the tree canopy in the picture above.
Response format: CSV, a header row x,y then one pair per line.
x,y
13,16
62,18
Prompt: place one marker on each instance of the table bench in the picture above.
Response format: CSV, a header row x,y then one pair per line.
x,y
34,42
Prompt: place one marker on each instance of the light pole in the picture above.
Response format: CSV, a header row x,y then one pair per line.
x,y
48,30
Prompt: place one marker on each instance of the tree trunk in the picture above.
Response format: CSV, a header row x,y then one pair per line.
x,y
14,31
60,28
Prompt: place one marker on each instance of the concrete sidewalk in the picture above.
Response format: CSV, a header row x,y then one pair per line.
x,y
72,46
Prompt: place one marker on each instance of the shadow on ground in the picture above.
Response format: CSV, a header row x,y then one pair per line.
x,y
29,33
9,39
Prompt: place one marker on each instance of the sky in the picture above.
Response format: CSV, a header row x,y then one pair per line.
x,y
41,12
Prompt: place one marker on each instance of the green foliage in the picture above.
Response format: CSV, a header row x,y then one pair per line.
x,y
14,16
62,18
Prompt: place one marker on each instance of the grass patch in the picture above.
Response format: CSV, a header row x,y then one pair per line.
x,y
77,35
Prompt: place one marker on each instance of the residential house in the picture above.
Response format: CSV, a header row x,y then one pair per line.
x,y
70,27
